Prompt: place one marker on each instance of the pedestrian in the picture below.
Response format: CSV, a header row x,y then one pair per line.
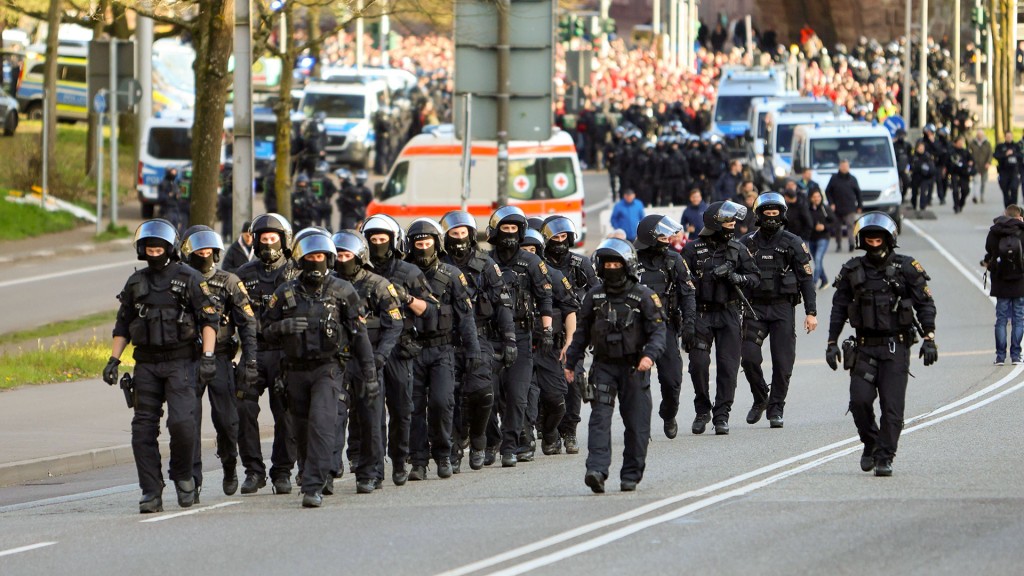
x,y
693,215
798,213
315,319
727,185
240,251
823,221
1010,158
786,280
981,152
843,193
627,213
624,322
880,294
961,168
1005,266
805,184
164,308
721,267
922,177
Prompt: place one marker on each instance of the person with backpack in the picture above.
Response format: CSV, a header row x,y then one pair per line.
x,y
1005,265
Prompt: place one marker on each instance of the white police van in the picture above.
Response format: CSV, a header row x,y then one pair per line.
x,y
869,149
738,86
348,109
780,124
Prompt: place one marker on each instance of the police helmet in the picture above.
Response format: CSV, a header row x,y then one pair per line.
x,y
354,242
384,224
875,222
616,249
458,218
534,223
535,239
313,243
770,201
929,127
422,228
156,232
506,215
557,224
719,213
273,222
322,167
362,176
307,232
200,237
651,227
944,130
343,174
302,179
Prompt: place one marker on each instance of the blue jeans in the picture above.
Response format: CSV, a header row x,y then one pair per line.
x,y
818,249
1009,310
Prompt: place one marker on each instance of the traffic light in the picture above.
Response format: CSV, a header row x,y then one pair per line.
x,y
564,28
979,17
578,27
608,26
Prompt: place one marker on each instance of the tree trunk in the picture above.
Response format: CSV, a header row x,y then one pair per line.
x,y
99,19
213,42
50,85
283,176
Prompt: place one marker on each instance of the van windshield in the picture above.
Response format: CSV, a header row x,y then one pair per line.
x,y
170,143
862,152
334,105
732,108
784,138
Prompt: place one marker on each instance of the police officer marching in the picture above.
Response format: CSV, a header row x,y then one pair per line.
x,y
492,305
316,320
722,267
665,272
624,322
883,295
786,276
164,308
201,248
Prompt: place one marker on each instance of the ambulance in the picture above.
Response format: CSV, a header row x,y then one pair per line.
x,y
426,179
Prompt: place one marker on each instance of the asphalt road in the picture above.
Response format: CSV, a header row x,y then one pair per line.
x,y
759,500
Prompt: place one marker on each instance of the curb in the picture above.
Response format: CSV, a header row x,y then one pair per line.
x,y
72,250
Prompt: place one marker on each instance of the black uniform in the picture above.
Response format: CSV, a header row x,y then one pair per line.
x,y
314,361
352,203
961,168
1010,161
922,178
162,314
718,320
880,300
323,190
623,327
786,275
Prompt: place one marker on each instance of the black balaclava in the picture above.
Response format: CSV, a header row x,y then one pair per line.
x,y
615,279
459,248
203,264
158,263
771,224
879,254
725,234
424,257
313,273
557,250
380,253
269,253
347,269
507,244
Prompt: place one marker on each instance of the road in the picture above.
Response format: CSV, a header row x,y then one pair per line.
x,y
759,500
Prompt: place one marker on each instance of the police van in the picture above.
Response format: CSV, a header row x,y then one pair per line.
x,y
869,149
738,86
348,109
72,88
759,109
780,124
426,179
165,143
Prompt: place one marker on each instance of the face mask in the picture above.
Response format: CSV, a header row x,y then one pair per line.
x,y
458,248
726,234
877,254
380,252
424,257
614,278
203,264
269,253
347,269
771,223
508,240
313,273
557,250
659,246
158,263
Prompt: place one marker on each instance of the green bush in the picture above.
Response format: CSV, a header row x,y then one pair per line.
x,y
19,221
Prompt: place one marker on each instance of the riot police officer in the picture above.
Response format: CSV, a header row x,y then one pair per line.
x,y
721,267
272,236
526,277
386,242
1010,158
492,305
353,200
559,236
323,189
315,318
786,276
880,293
665,272
624,322
164,308
201,248
304,203
384,327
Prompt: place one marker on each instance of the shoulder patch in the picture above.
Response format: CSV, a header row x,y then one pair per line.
x,y
392,291
547,286
804,246
241,287
248,310
928,291
209,310
543,267
917,266
565,282
462,278
497,270
395,314
273,301
807,268
657,301
205,287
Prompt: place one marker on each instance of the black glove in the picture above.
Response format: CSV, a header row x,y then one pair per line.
x,y
509,354
688,336
722,271
402,293
929,351
737,279
110,371
293,325
252,373
371,389
833,356
379,361
207,369
547,341
473,363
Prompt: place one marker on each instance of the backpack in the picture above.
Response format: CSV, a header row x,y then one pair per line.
x,y
1009,263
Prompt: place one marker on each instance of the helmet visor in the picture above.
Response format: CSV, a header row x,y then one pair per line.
x,y
200,241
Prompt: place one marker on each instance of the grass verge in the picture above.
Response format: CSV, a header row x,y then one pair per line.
x,y
57,328
18,221
113,233
61,362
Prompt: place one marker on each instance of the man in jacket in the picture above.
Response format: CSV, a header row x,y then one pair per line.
x,y
981,152
627,213
1007,272
843,193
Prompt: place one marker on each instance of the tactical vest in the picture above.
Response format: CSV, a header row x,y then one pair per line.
x,y
403,274
577,276
776,272
367,286
617,332
709,289
325,336
878,304
438,329
517,280
483,307
163,316
221,296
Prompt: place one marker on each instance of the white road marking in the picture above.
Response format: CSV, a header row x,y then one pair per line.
x,y
190,512
26,548
86,270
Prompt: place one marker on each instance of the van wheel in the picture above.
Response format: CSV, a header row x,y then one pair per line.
x,y
147,211
35,111
10,124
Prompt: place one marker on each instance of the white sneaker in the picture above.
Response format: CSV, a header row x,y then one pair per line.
x,y
1017,361
998,362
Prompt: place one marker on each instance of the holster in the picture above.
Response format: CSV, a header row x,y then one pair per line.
x,y
587,387
128,387
849,353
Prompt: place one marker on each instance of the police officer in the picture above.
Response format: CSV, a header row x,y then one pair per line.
x,y
879,293
433,393
665,272
315,318
386,242
353,200
545,406
164,308
323,189
1010,158
721,267
786,276
526,277
559,237
201,248
492,305
304,203
272,235
384,320
382,128
624,322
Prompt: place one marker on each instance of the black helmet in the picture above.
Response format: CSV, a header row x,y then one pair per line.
x,y
616,249
305,232
651,227
506,215
458,218
535,239
384,224
156,232
534,223
362,176
770,201
422,228
557,224
200,237
273,222
313,243
875,222
719,213
354,242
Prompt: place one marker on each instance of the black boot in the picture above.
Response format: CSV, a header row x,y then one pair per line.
x,y
700,423
476,459
230,483
151,503
186,490
867,458
883,467
671,428
571,445
444,468
754,416
312,500
253,483
282,485
595,480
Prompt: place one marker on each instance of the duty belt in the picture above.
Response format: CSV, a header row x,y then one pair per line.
x,y
715,307
306,365
164,355
631,360
773,300
880,340
439,340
